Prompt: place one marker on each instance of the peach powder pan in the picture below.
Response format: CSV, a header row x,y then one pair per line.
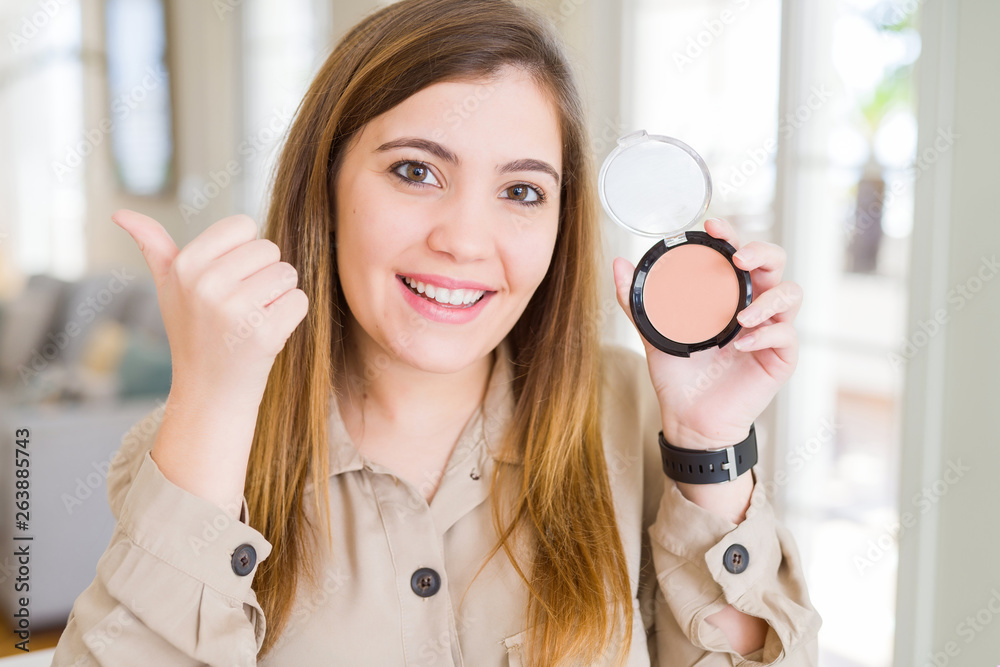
x,y
686,291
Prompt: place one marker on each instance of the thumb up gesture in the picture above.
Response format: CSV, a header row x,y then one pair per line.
x,y
228,302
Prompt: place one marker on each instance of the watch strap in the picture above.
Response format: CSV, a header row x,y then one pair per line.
x,y
709,466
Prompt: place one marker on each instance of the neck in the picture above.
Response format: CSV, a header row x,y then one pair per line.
x,y
398,396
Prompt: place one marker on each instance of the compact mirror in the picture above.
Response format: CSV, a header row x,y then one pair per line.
x,y
686,290
654,185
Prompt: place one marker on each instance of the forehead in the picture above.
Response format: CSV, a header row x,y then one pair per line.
x,y
507,117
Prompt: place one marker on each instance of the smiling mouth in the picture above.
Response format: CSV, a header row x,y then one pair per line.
x,y
457,299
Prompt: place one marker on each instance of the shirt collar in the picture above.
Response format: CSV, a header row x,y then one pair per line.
x,y
486,426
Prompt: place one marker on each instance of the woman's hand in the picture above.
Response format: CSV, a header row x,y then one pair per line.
x,y
228,304
710,399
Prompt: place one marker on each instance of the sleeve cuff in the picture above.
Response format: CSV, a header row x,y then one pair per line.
x,y
694,533
689,546
189,532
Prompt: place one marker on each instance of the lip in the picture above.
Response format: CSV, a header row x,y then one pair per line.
x,y
447,283
438,313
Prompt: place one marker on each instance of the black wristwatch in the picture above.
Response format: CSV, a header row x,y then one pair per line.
x,y
708,466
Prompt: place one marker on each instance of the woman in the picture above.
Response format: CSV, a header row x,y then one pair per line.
x,y
443,466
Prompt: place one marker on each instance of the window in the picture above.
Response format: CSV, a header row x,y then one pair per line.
x,y
43,140
139,95
804,113
284,43
847,212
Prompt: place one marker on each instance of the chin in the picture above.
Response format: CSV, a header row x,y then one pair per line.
x,y
434,354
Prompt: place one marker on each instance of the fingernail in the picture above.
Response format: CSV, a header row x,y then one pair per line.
x,y
745,342
748,317
744,255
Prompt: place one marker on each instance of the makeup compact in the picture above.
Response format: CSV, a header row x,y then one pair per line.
x,y
686,291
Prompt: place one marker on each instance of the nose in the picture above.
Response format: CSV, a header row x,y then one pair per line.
x,y
465,227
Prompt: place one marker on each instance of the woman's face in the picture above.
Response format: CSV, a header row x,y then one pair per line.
x,y
456,187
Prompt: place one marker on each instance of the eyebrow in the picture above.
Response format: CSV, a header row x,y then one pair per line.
x,y
434,148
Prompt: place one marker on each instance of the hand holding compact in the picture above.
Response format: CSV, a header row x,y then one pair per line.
x,y
692,294
711,398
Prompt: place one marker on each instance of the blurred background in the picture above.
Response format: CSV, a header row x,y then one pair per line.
x,y
858,134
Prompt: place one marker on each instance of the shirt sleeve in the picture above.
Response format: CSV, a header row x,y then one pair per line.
x,y
688,548
174,584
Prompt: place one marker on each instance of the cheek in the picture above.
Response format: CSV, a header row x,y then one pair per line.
x,y
372,232
528,254
358,253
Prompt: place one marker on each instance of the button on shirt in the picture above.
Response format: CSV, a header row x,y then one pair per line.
x,y
175,584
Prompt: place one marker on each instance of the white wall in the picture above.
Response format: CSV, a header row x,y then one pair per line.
x,y
948,575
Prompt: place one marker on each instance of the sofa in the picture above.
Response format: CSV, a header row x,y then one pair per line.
x,y
80,363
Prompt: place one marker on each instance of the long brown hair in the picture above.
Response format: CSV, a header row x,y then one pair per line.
x,y
578,577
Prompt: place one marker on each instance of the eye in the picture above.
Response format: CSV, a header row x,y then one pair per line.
x,y
415,173
521,192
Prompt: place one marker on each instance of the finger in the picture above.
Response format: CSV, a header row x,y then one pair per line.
x,y
269,284
287,312
220,238
721,229
765,262
248,259
780,337
155,244
231,271
781,302
623,270
761,256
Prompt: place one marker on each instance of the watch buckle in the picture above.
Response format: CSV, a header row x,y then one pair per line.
x,y
730,462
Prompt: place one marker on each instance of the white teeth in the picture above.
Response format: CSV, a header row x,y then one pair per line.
x,y
444,295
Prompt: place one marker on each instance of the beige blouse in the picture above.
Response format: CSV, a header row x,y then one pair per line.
x,y
175,584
